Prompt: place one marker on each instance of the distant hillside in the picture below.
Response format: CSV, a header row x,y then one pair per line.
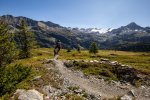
x,y
47,32
131,37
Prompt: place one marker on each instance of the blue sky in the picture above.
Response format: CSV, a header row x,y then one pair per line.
x,y
81,13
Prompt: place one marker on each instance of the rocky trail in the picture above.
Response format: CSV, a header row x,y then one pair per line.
x,y
100,88
76,84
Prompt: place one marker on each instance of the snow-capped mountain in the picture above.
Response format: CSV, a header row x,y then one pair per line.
x,y
130,37
130,28
101,30
93,30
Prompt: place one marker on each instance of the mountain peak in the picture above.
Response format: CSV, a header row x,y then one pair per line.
x,y
134,26
7,16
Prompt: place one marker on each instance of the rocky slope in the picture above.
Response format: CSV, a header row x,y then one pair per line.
x,y
130,37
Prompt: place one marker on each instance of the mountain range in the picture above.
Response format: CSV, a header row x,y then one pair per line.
x,y
131,37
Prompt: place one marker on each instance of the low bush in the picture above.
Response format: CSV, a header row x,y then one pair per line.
x,y
11,76
102,70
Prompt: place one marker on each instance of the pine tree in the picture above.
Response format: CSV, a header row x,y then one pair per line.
x,y
78,48
93,48
7,45
25,39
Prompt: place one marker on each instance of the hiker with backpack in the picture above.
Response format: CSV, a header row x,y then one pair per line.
x,y
57,47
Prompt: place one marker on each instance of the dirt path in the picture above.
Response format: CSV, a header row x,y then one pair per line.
x,y
99,87
93,86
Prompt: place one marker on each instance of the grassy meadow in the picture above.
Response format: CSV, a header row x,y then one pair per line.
x,y
138,60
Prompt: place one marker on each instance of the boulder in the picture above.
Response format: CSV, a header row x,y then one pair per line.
x,y
28,94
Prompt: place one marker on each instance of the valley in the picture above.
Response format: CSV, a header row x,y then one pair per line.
x,y
74,50
56,76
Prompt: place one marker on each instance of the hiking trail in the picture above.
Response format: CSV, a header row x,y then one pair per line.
x,y
90,85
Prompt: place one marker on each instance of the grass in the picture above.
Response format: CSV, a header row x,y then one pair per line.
x,y
100,70
138,60
35,63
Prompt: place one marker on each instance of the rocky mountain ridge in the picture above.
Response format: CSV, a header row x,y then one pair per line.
x,y
131,37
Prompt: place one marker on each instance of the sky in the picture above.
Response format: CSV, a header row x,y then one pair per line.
x,y
81,13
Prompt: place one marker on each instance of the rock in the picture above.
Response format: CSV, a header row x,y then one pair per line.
x,y
129,96
79,74
132,92
51,92
63,97
114,63
48,90
102,62
91,61
95,61
127,84
65,91
128,66
123,65
86,61
78,91
104,59
126,97
19,91
29,94
142,87
115,83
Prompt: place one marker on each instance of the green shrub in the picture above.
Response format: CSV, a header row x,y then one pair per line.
x,y
101,70
93,48
11,76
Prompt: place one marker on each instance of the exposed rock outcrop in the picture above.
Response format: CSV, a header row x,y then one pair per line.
x,y
28,94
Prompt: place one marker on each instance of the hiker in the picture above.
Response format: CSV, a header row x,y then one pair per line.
x,y
57,47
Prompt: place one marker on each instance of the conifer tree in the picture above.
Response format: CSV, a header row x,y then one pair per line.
x,y
7,45
93,48
78,48
25,39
